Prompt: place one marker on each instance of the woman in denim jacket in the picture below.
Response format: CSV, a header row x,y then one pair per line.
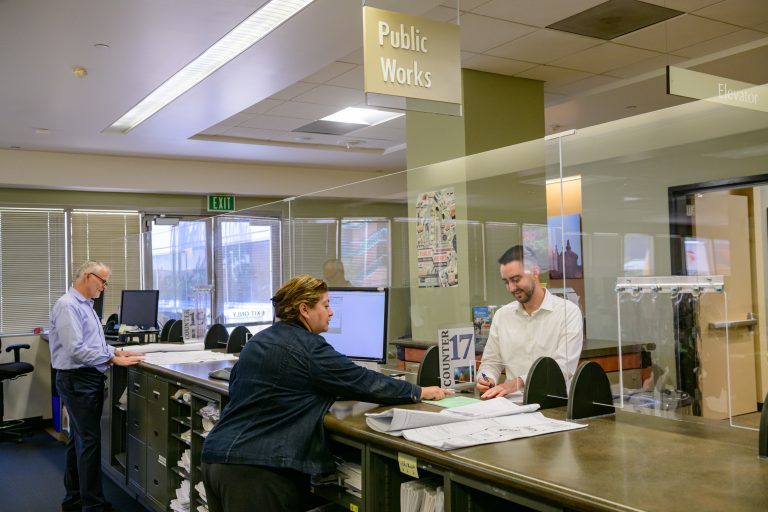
x,y
270,436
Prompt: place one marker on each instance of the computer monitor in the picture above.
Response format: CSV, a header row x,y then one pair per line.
x,y
358,328
98,305
139,307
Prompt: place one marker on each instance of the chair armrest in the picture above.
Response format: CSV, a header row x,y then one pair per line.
x,y
16,349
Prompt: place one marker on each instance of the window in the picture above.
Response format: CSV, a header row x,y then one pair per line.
x,y
365,251
180,263
247,269
313,241
32,267
114,239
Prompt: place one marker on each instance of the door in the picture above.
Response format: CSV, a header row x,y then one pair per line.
x,y
721,246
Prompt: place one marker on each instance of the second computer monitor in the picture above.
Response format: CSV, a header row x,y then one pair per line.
x,y
358,328
139,307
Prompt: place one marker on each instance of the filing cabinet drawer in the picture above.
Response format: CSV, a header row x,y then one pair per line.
x,y
157,391
157,427
137,463
137,416
157,478
137,382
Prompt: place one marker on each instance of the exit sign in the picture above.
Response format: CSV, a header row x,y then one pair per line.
x,y
221,203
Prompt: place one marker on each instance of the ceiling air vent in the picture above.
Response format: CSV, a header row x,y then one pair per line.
x,y
615,18
329,127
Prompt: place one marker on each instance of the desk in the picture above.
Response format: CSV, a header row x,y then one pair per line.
x,y
629,462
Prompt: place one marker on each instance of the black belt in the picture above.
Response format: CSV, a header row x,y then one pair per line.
x,y
82,371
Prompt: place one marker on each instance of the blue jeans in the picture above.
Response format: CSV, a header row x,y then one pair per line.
x,y
82,392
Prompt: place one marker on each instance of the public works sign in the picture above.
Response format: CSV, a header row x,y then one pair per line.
x,y
411,56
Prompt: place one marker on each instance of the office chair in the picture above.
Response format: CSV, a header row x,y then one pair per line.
x,y
216,337
237,339
166,330
12,429
174,331
429,369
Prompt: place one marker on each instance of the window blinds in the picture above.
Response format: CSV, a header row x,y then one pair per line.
x,y
32,267
114,239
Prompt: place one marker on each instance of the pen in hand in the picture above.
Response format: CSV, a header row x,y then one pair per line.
x,y
490,382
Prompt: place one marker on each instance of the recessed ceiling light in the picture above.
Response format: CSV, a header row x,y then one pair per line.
x,y
101,45
368,116
80,72
41,131
246,34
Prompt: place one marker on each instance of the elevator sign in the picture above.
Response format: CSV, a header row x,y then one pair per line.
x,y
220,203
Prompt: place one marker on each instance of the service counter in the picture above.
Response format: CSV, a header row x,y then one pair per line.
x,y
626,462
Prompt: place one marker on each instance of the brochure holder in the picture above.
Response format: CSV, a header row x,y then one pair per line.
x,y
545,384
590,394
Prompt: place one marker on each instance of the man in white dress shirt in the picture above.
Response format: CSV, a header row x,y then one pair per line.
x,y
536,324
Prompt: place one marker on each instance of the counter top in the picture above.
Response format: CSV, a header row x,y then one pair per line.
x,y
627,462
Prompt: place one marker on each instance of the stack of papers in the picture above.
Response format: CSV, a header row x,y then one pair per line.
x,y
351,478
421,496
181,502
200,488
194,356
185,462
486,422
395,421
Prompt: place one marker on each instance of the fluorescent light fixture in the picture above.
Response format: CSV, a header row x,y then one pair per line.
x,y
239,39
367,116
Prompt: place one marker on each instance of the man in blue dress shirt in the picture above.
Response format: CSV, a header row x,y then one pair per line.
x,y
81,355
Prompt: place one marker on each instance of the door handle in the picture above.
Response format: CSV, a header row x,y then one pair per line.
x,y
750,322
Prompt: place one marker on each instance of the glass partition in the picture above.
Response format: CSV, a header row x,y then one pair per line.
x,y
680,192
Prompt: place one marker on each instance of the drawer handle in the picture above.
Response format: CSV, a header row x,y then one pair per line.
x,y
136,386
135,467
156,482
157,394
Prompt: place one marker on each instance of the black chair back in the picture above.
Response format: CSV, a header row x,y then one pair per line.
x,y
429,369
237,339
216,337
166,329
174,332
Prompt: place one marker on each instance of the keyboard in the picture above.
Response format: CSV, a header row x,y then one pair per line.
x,y
221,373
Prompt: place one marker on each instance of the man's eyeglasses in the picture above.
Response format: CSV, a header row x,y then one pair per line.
x,y
103,281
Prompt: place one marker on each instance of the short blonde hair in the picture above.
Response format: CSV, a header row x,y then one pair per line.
x,y
302,289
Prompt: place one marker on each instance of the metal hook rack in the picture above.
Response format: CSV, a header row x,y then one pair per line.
x,y
670,284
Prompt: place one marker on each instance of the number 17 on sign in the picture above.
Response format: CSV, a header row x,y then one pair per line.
x,y
457,355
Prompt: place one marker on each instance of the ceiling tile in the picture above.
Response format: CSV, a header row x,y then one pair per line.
x,y
301,110
356,57
354,78
332,95
292,91
671,35
683,5
535,12
603,58
262,106
549,73
480,33
721,43
443,13
657,63
273,123
381,132
464,5
328,72
498,65
543,46
745,13
580,86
